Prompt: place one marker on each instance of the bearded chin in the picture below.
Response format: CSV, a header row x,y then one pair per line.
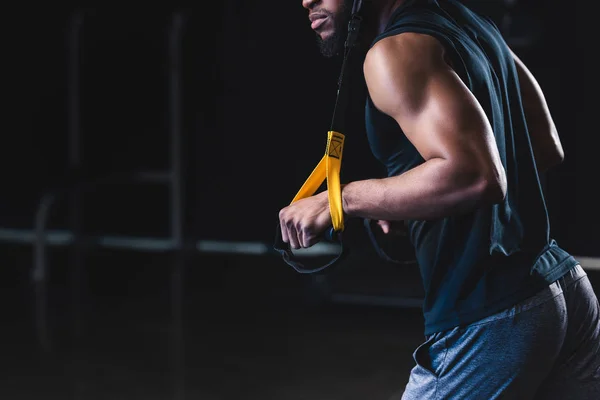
x,y
333,45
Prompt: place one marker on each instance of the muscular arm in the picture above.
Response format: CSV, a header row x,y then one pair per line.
x,y
409,80
547,147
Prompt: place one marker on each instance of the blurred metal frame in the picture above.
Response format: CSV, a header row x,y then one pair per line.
x,y
171,177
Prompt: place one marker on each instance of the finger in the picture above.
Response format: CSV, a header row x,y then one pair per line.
x,y
293,237
385,226
307,240
284,231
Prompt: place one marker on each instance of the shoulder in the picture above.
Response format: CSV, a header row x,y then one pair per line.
x,y
398,68
406,52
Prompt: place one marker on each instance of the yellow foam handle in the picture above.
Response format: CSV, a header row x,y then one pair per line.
x,y
328,168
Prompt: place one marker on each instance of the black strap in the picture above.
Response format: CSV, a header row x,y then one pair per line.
x,y
353,29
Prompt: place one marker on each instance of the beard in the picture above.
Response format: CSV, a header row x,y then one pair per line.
x,y
334,44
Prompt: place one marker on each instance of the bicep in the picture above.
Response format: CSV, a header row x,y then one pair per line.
x,y
432,105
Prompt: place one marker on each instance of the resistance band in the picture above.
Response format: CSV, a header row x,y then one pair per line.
x,y
328,169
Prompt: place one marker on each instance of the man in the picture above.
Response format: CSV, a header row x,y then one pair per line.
x,y
464,131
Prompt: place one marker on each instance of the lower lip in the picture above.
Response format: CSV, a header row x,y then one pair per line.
x,y
317,23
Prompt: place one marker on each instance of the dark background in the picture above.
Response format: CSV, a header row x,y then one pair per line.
x,y
256,104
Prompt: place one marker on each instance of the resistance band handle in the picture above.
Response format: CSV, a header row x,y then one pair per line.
x,y
284,249
328,169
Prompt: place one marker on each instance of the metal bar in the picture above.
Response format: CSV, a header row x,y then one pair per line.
x,y
64,238
590,263
39,273
175,131
61,238
75,197
175,126
214,246
74,88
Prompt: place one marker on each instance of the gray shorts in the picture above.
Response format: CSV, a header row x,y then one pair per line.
x,y
547,347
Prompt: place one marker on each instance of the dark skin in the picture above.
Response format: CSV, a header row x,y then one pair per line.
x,y
410,80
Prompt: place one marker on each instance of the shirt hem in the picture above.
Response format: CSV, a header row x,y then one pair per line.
x,y
467,318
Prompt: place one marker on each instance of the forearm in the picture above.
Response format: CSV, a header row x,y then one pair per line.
x,y
433,190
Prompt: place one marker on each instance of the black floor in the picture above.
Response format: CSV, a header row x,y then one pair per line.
x,y
243,328
246,328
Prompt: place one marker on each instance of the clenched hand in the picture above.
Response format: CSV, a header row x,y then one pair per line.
x,y
304,221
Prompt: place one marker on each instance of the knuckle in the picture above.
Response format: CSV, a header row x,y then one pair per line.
x,y
282,214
